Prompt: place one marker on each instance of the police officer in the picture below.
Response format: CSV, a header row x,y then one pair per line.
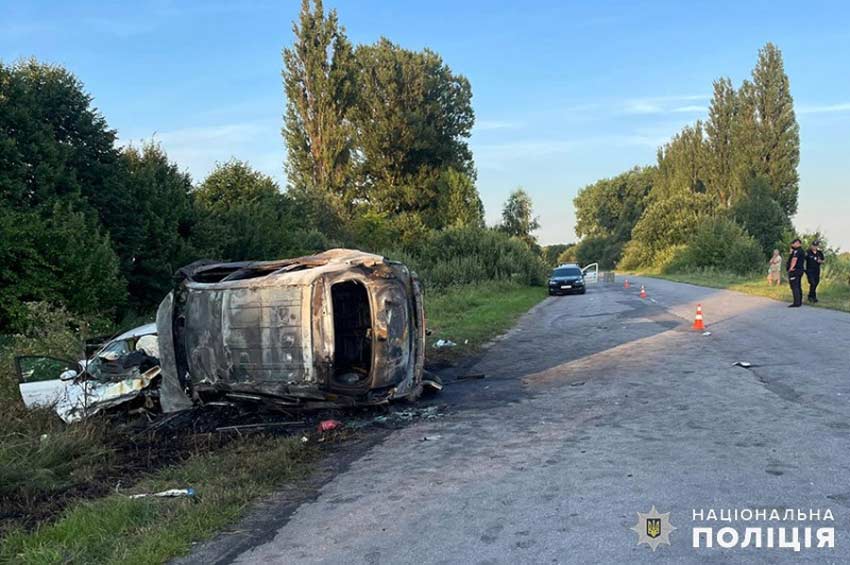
x,y
795,266
814,259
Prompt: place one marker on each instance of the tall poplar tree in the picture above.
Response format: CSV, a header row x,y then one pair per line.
x,y
773,135
682,163
319,81
720,142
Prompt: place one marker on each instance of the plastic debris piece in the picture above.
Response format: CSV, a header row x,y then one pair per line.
x,y
432,381
706,333
441,343
258,427
471,377
170,493
744,364
432,438
328,425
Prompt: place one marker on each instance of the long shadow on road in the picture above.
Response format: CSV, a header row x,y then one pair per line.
x,y
556,332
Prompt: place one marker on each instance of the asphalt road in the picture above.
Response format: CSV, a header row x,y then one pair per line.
x,y
594,408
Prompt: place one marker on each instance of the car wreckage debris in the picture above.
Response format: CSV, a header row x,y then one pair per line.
x,y
171,493
338,329
328,425
263,427
471,377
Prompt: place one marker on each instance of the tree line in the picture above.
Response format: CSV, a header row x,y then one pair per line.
x,y
721,194
377,158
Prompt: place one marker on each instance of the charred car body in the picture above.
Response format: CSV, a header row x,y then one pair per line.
x,y
339,328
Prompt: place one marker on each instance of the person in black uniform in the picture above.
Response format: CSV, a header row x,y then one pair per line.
x,y
795,266
814,259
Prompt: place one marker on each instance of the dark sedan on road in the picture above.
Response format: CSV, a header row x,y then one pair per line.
x,y
566,279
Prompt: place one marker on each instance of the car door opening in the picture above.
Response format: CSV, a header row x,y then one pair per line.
x,y
352,319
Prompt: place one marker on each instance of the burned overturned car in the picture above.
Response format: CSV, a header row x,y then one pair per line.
x,y
340,328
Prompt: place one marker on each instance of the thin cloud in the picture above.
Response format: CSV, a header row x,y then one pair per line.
x,y
123,28
490,125
21,30
198,149
207,134
688,109
496,156
662,104
827,109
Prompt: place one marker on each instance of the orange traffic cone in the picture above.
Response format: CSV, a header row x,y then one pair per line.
x,y
698,323
626,284
642,292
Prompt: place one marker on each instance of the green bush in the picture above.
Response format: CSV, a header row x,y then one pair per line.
x,y
758,213
568,255
46,330
673,259
837,268
39,454
471,255
597,249
552,253
718,243
635,256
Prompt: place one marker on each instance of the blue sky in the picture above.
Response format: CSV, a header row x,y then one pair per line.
x,y
564,92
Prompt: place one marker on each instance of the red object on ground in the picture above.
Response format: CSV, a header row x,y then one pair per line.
x,y
328,425
626,284
642,292
698,323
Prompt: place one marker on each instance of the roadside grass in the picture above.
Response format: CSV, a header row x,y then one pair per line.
x,y
476,313
117,529
833,294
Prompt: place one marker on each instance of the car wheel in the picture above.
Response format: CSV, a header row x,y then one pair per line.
x,y
583,291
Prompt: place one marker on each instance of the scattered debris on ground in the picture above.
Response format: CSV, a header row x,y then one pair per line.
x,y
471,377
170,493
328,425
318,347
141,446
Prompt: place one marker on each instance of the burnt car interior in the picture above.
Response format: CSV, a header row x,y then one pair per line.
x,y
352,322
209,272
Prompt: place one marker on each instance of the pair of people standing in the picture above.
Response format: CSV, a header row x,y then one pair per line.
x,y
799,263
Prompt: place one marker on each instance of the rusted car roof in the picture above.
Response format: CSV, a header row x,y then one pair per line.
x,y
337,328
